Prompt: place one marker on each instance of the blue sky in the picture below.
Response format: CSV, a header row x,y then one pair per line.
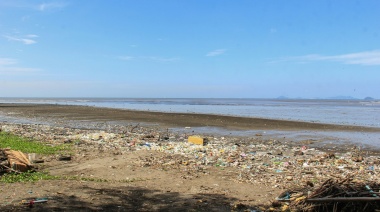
x,y
194,48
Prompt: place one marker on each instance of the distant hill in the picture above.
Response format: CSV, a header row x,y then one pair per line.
x,y
369,98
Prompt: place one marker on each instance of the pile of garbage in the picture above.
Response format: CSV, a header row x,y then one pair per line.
x,y
251,160
254,160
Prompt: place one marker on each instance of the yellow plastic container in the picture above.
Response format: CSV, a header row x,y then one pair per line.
x,y
196,140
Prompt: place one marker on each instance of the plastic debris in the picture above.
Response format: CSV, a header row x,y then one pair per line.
x,y
196,140
260,161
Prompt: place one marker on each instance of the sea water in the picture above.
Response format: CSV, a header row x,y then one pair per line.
x,y
346,112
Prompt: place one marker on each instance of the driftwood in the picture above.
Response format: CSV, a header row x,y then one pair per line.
x,y
5,169
134,127
13,162
335,195
344,199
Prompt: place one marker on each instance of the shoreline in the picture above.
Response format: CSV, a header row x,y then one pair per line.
x,y
166,119
327,137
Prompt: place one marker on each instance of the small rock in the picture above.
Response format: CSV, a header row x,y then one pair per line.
x,y
38,161
357,159
64,158
309,183
69,141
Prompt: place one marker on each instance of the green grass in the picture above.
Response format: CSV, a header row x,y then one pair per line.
x,y
26,177
26,145
36,176
31,176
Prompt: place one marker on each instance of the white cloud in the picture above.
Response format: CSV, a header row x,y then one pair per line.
x,y
361,58
32,36
9,66
7,61
216,52
26,41
367,58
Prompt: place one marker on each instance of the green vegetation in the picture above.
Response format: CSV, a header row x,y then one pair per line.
x,y
32,176
26,145
26,177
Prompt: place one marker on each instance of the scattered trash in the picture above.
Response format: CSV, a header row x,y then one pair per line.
x,y
284,196
64,158
264,162
31,203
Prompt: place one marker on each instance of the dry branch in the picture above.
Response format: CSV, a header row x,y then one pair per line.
x,y
344,199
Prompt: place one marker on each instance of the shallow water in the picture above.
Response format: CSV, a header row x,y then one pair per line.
x,y
347,112
369,140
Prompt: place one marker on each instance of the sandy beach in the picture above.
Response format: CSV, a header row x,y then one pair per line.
x,y
140,163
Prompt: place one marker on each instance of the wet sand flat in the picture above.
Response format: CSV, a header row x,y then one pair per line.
x,y
87,113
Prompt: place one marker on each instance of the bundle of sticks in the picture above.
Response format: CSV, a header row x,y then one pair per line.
x,y
19,162
3,163
341,195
